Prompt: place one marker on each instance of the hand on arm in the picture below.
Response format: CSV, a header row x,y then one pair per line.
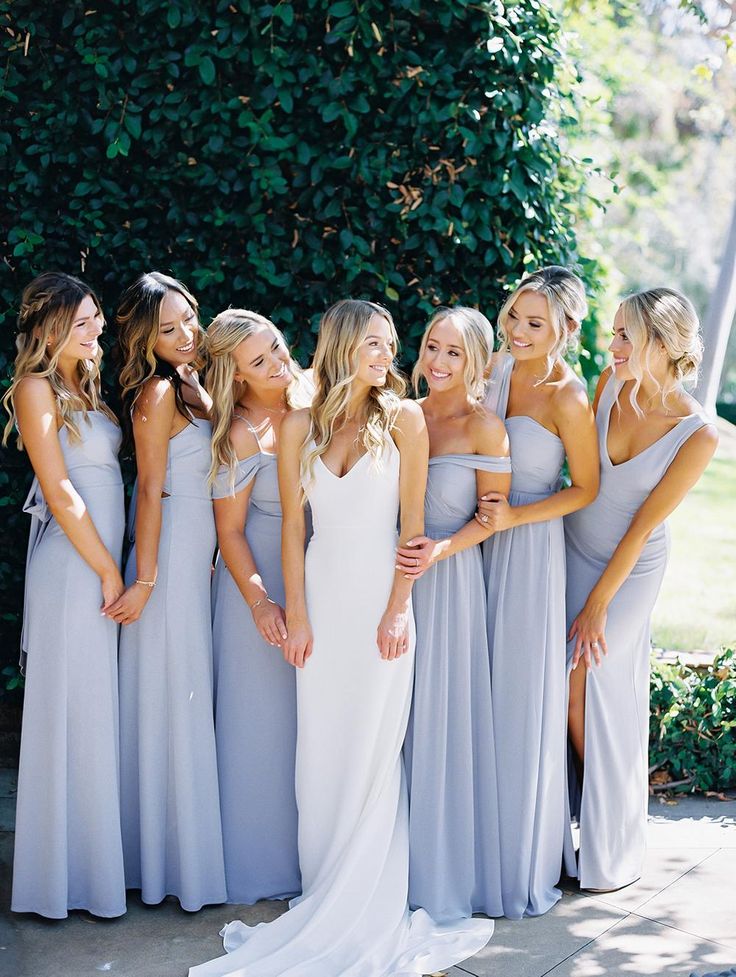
x,y
689,464
412,440
37,421
297,647
152,422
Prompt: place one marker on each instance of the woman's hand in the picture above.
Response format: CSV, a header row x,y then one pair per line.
x,y
269,619
112,588
494,512
129,606
393,632
589,631
297,646
417,556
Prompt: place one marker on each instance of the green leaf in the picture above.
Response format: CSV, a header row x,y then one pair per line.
x,y
207,70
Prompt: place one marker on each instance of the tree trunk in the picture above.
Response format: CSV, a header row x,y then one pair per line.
x,y
717,324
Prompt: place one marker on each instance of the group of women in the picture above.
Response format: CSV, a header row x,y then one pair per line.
x,y
394,731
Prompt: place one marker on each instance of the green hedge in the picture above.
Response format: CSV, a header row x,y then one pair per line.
x,y
692,725
280,156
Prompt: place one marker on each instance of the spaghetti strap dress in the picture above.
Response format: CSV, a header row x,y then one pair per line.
x,y
255,708
525,575
353,918
172,836
612,806
454,853
68,849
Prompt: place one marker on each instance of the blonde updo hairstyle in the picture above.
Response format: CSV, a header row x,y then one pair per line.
x,y
47,312
662,316
137,320
225,333
477,336
566,301
342,329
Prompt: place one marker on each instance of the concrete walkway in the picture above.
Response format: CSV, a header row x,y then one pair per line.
x,y
679,919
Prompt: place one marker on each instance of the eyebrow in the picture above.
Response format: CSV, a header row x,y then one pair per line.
x,y
373,336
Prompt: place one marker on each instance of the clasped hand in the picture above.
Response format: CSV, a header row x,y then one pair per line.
x,y
494,512
269,619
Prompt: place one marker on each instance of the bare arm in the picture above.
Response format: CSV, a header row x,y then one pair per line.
x,y
689,464
37,421
577,431
412,440
298,645
489,438
153,418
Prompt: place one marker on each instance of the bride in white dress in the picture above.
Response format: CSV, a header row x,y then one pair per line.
x,y
359,455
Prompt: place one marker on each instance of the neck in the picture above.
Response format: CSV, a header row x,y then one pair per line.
x,y
532,370
651,393
69,372
449,403
358,400
252,399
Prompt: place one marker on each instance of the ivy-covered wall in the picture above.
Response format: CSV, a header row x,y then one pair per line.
x,y
278,156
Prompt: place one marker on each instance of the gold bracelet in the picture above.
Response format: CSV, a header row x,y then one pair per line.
x,y
261,600
147,583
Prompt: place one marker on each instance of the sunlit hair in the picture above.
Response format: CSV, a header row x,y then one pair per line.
x,y
225,333
477,337
662,315
137,320
566,301
342,329
47,312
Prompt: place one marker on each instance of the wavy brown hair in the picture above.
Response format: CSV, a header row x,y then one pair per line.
x,y
137,321
47,311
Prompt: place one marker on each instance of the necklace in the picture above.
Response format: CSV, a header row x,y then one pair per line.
x,y
268,410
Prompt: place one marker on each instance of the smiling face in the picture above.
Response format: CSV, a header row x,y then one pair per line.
x,y
630,361
81,344
529,327
262,361
444,358
375,353
621,349
178,330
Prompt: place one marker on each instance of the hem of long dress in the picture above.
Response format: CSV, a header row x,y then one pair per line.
x,y
532,912
111,914
189,907
606,885
249,899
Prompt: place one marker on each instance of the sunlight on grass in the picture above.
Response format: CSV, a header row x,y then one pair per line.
x,y
697,606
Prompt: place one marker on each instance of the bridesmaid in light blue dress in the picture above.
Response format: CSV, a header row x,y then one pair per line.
x,y
172,837
654,445
253,383
454,853
548,418
68,850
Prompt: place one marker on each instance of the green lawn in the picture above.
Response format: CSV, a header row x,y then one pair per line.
x,y
697,605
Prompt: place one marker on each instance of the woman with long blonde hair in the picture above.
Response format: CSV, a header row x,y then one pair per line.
x,y
359,457
548,418
68,851
172,838
451,770
253,383
654,445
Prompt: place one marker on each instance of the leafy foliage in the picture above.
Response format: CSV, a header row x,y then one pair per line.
x,y
280,156
692,723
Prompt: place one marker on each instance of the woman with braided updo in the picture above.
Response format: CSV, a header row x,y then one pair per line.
x,y
68,852
654,445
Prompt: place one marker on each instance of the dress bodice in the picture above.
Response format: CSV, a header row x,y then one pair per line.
x,y
537,455
188,461
452,494
365,498
625,487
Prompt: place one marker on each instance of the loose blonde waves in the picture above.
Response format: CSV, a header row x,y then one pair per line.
x,y
566,301
225,333
342,329
137,321
47,312
477,336
666,316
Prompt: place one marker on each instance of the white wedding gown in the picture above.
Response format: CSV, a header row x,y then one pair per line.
x,y
352,709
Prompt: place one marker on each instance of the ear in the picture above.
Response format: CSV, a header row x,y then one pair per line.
x,y
572,326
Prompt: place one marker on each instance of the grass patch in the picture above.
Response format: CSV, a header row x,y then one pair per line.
x,y
697,605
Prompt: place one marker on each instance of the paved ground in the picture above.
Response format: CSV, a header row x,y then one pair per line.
x,y
679,919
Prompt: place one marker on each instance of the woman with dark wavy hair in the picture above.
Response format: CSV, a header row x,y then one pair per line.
x,y
172,838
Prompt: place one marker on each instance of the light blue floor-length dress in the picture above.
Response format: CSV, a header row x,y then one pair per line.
x,y
255,709
525,574
612,810
68,849
454,852
172,836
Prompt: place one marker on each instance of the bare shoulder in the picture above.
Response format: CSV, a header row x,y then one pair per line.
x,y
410,421
243,440
487,431
295,425
704,441
157,394
570,398
35,394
